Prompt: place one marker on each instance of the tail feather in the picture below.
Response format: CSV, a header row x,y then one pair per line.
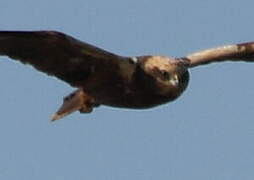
x,y
76,101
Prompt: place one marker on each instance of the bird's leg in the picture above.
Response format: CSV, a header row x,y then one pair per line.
x,y
76,101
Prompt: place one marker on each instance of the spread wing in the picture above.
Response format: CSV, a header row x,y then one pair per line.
x,y
236,52
59,55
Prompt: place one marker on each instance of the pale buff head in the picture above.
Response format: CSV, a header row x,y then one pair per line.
x,y
171,75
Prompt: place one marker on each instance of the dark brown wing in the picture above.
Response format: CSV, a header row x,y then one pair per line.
x,y
58,54
236,52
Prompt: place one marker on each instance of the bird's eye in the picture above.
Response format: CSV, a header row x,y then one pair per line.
x,y
165,75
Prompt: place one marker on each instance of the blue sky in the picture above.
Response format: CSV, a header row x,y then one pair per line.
x,y
206,134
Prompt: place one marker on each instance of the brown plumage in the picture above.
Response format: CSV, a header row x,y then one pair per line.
x,y
106,78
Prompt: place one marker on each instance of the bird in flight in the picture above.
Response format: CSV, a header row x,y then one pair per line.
x,y
104,78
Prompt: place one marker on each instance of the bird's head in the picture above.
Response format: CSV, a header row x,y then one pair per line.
x,y
165,76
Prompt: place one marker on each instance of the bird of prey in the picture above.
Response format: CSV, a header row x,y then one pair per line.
x,y
104,78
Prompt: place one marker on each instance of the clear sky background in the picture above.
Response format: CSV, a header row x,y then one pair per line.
x,y
207,134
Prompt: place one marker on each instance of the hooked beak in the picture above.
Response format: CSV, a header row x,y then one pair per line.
x,y
174,80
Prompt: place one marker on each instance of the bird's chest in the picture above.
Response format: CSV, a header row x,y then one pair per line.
x,y
127,95
111,91
119,91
